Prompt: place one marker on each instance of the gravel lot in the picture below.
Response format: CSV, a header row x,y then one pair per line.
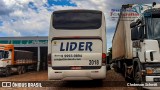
x,y
28,76
113,81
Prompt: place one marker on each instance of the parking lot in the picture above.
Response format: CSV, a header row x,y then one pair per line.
x,y
28,76
113,81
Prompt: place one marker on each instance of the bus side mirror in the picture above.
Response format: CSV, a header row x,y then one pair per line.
x,y
134,33
133,24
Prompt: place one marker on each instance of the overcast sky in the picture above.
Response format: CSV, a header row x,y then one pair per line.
x,y
32,17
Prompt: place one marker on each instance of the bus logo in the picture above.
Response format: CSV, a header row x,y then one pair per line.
x,y
81,46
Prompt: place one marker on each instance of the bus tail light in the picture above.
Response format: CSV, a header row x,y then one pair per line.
x,y
103,59
49,60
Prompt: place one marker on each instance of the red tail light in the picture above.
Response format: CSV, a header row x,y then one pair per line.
x,y
49,59
103,59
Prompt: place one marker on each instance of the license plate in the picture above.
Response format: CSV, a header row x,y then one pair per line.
x,y
156,79
75,68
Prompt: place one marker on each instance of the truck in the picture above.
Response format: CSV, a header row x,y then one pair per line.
x,y
136,43
15,61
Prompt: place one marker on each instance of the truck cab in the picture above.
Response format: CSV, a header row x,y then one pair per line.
x,y
5,57
136,44
145,35
15,60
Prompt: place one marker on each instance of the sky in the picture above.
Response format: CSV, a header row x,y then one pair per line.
x,y
32,17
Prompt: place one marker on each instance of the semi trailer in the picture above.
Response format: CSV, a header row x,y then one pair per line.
x,y
12,60
136,43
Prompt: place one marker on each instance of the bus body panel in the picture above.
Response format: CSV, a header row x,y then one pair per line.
x,y
71,52
76,52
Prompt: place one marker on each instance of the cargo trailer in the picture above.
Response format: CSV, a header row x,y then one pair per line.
x,y
15,60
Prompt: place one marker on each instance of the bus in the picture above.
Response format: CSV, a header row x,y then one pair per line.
x,y
77,45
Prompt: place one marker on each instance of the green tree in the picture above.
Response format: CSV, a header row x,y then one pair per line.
x,y
110,53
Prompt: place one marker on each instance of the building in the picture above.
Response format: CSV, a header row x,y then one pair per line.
x,y
36,44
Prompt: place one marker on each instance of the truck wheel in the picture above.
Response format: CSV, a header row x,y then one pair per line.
x,y
19,70
108,67
115,68
7,73
125,71
35,67
137,75
23,69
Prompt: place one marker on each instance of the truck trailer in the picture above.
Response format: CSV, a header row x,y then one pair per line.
x,y
136,43
12,61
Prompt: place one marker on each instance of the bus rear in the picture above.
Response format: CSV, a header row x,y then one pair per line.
x,y
77,45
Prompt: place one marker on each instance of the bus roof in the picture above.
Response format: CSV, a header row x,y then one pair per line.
x,y
77,10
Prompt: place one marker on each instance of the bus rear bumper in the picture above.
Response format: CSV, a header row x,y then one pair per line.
x,y
77,74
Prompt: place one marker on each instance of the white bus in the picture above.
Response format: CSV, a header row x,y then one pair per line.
x,y
77,45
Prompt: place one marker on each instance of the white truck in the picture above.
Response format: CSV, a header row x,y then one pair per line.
x,y
136,44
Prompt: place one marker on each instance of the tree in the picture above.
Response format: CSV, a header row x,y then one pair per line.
x,y
110,53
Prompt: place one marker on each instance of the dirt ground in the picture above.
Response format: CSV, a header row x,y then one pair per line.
x,y
28,76
113,81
